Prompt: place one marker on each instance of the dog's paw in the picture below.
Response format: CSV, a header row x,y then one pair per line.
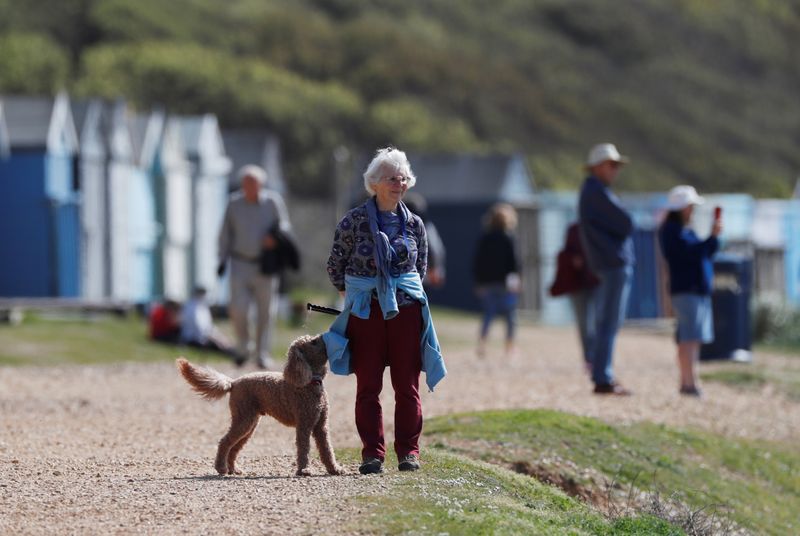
x,y
236,470
303,472
336,470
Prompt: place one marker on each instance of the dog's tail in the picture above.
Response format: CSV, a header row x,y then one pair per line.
x,y
208,382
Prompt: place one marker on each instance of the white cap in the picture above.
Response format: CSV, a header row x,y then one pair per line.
x,y
682,196
257,172
602,152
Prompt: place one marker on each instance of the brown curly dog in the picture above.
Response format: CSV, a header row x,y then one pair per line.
x,y
295,398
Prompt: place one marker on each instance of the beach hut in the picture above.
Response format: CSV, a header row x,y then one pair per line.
x,y
776,226
556,211
210,168
5,142
141,226
91,126
164,156
459,189
39,200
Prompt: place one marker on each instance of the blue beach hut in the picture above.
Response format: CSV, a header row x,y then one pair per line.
x,y
39,200
142,227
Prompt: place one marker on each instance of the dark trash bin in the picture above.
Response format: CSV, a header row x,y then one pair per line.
x,y
730,300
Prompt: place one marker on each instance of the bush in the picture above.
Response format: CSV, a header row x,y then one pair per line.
x,y
776,323
32,63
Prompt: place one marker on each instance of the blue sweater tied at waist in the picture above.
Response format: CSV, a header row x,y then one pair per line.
x,y
357,300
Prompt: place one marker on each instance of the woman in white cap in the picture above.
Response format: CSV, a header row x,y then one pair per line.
x,y
690,277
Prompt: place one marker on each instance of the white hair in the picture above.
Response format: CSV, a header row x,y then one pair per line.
x,y
257,172
388,162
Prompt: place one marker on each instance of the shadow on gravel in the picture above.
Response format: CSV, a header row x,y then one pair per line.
x,y
242,477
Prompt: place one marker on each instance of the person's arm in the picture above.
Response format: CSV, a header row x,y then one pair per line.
x,y
422,249
682,245
605,213
224,241
343,243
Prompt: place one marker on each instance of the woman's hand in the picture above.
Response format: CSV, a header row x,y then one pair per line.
x,y
716,228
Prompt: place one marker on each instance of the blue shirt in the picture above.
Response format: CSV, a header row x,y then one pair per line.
x,y
688,258
606,227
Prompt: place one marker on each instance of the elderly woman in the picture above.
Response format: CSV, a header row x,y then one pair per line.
x,y
690,277
377,262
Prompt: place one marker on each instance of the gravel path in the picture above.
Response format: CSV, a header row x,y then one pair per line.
x,y
129,449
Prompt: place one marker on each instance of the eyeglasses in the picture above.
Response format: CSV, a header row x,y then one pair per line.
x,y
394,181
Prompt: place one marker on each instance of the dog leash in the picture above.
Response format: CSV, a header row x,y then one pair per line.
x,y
322,309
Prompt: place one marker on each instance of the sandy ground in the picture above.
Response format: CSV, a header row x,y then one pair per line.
x,y
129,449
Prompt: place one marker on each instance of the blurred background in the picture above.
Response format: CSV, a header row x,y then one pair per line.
x,y
122,123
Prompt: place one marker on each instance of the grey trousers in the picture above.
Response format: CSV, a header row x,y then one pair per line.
x,y
249,286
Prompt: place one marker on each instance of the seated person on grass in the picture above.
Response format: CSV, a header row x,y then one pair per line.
x,y
198,328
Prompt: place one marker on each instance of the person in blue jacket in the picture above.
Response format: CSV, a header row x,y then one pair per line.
x,y
606,233
690,277
377,262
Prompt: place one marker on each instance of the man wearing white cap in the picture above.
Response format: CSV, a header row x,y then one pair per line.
x,y
250,217
606,231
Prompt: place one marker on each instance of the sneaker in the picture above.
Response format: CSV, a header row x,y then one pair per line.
x,y
691,390
612,388
408,463
238,359
371,466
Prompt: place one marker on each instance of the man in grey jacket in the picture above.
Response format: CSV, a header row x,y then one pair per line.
x,y
246,230
606,232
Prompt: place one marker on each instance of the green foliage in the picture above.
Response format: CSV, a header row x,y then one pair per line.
x,y
694,91
31,63
758,481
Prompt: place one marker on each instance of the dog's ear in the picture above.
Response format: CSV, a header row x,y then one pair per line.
x,y
297,372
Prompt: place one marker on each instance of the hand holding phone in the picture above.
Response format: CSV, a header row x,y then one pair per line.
x,y
716,227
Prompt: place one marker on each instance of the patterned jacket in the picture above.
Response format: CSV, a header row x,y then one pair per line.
x,y
353,250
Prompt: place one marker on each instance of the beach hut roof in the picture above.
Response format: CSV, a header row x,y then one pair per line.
x,y
254,146
468,178
40,122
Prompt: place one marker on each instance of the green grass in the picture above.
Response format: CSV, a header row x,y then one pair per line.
x,y
454,494
759,482
85,339
785,380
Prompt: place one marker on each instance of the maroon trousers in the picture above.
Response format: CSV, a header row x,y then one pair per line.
x,y
374,344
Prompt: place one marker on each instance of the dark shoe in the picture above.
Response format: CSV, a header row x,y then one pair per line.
x,y
408,463
238,359
691,390
611,389
371,466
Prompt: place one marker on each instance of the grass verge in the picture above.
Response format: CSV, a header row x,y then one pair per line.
x,y
758,483
785,379
455,494
85,339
